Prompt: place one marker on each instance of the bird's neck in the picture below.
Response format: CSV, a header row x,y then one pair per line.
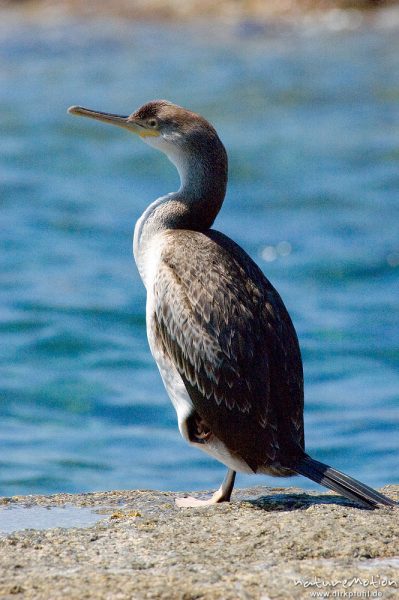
x,y
194,206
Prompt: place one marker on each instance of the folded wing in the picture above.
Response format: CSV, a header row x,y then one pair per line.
x,y
232,341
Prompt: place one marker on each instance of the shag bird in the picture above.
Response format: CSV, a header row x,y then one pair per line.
x,y
224,343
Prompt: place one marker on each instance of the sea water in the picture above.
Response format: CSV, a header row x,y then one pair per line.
x,y
310,118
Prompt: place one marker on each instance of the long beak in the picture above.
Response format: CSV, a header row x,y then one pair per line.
x,y
126,122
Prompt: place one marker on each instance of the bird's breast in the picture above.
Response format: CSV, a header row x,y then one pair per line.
x,y
147,255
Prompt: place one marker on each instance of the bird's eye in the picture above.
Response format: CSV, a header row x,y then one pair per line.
x,y
152,123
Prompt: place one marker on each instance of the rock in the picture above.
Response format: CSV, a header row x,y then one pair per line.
x,y
267,543
186,10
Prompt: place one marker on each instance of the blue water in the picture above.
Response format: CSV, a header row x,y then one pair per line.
x,y
18,518
310,118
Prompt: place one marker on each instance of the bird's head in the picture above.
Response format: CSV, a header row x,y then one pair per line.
x,y
151,120
180,133
188,140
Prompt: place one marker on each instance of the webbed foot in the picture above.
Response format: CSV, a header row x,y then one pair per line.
x,y
223,494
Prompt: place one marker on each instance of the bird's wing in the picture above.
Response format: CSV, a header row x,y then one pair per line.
x,y
227,331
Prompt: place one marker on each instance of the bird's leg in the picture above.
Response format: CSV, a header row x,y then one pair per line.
x,y
223,494
197,431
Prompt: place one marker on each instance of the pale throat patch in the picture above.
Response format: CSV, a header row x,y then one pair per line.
x,y
170,146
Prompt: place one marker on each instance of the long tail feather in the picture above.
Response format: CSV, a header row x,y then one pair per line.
x,y
341,483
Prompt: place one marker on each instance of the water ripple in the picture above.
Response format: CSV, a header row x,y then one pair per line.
x,y
310,121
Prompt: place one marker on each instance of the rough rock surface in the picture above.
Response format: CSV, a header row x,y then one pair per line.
x,y
184,10
265,544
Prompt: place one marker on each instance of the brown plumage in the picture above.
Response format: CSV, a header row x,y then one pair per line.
x,y
241,344
223,340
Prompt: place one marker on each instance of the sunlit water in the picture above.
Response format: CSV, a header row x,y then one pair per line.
x,y
310,120
18,518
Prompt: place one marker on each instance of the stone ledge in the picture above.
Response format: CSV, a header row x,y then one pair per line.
x,y
266,544
187,10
